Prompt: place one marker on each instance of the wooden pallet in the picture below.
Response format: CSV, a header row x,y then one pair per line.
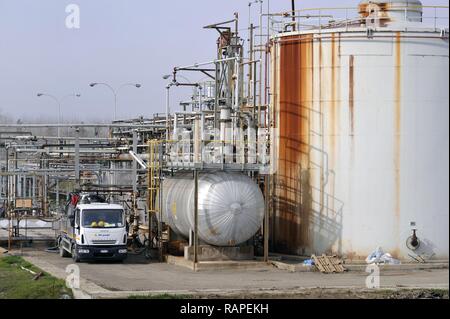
x,y
328,264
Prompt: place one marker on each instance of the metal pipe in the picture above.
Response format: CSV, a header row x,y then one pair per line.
x,y
195,219
56,152
57,193
118,125
293,15
7,179
204,63
168,111
260,65
266,217
134,166
138,160
63,172
77,157
36,137
237,91
175,125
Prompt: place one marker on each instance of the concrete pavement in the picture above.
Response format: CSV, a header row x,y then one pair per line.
x,y
117,280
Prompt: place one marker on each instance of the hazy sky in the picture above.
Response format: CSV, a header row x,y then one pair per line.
x,y
119,41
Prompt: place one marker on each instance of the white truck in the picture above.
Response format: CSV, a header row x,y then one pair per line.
x,y
93,231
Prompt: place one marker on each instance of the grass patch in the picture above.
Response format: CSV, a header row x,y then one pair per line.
x,y
16,283
161,296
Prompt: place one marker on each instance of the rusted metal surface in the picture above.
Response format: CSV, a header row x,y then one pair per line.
x,y
383,13
366,9
292,190
377,11
351,94
353,127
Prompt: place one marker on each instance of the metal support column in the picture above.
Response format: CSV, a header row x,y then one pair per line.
x,y
195,219
77,157
45,188
33,191
134,164
7,179
266,218
57,194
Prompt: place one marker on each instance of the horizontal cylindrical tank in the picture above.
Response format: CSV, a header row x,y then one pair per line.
x,y
361,137
230,207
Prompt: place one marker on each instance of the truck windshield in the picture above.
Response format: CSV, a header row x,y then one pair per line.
x,y
102,218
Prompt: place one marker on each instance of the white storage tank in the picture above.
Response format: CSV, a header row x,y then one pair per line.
x,y
230,207
361,116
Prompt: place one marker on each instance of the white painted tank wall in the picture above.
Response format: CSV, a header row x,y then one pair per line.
x,y
384,156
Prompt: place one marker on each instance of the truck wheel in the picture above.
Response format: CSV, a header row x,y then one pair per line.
x,y
62,252
75,256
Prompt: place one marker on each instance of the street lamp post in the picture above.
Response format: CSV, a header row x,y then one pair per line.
x,y
115,92
59,102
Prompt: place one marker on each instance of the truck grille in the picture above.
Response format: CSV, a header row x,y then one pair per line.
x,y
108,255
104,242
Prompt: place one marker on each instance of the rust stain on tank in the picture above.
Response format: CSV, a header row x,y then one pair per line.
x,y
292,181
365,9
330,111
351,110
351,94
398,121
376,10
333,88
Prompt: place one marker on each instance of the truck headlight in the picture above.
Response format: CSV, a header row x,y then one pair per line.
x,y
123,251
83,251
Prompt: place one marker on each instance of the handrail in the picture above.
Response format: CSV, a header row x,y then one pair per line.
x,y
319,18
284,13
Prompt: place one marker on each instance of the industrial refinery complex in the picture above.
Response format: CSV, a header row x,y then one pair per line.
x,y
316,144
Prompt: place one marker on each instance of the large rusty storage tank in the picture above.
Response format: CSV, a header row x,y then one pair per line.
x,y
361,123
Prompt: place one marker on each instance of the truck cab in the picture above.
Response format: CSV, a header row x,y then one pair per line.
x,y
94,231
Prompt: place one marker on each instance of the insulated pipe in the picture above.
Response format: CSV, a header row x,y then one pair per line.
x,y
251,140
134,166
168,111
238,70
175,125
138,160
226,133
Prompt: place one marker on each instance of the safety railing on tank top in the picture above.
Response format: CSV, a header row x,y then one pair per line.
x,y
321,19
